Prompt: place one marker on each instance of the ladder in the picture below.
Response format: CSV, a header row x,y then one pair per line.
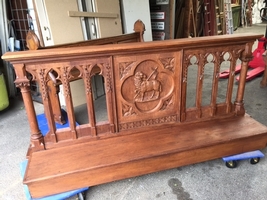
x,y
209,18
190,24
244,13
228,17
219,19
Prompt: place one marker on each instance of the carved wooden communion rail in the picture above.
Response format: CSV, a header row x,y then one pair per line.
x,y
150,126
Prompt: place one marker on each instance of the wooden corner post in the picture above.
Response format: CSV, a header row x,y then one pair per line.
x,y
245,57
22,82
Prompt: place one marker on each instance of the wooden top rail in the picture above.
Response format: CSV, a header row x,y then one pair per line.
x,y
187,43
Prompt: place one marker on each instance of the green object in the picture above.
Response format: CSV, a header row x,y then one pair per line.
x,y
236,11
4,102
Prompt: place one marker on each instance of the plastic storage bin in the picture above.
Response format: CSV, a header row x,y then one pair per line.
x,y
4,102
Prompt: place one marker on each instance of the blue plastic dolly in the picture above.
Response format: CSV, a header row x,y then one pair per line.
x,y
43,126
79,192
254,156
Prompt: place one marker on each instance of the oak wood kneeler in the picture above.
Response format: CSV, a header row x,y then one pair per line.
x,y
157,118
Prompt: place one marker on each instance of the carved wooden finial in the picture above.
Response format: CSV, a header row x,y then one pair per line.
x,y
32,40
139,26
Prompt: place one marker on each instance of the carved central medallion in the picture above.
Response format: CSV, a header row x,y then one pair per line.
x,y
144,85
147,86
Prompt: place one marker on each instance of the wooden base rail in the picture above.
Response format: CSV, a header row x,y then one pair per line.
x,y
157,117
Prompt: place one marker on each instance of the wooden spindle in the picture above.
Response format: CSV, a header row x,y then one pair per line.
x,y
87,71
202,59
233,58
216,71
109,87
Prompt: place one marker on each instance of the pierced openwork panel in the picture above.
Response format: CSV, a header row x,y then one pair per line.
x,y
147,89
202,67
65,72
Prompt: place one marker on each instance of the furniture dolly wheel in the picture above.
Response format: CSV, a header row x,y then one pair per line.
x,y
254,156
231,164
81,196
254,161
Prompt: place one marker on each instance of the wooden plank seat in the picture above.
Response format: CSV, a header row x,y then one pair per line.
x,y
33,43
157,117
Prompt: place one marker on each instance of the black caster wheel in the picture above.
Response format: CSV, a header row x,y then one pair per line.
x,y
81,196
231,164
254,161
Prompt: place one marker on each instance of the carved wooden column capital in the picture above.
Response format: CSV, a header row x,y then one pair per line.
x,y
246,54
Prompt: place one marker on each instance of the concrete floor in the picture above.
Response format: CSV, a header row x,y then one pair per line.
x,y
208,180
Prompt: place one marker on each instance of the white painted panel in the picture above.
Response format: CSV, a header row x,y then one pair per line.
x,y
63,29
42,15
134,10
107,27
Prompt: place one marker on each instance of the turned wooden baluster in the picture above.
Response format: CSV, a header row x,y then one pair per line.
x,y
22,82
245,57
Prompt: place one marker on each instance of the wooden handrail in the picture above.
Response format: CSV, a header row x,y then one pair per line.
x,y
127,48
